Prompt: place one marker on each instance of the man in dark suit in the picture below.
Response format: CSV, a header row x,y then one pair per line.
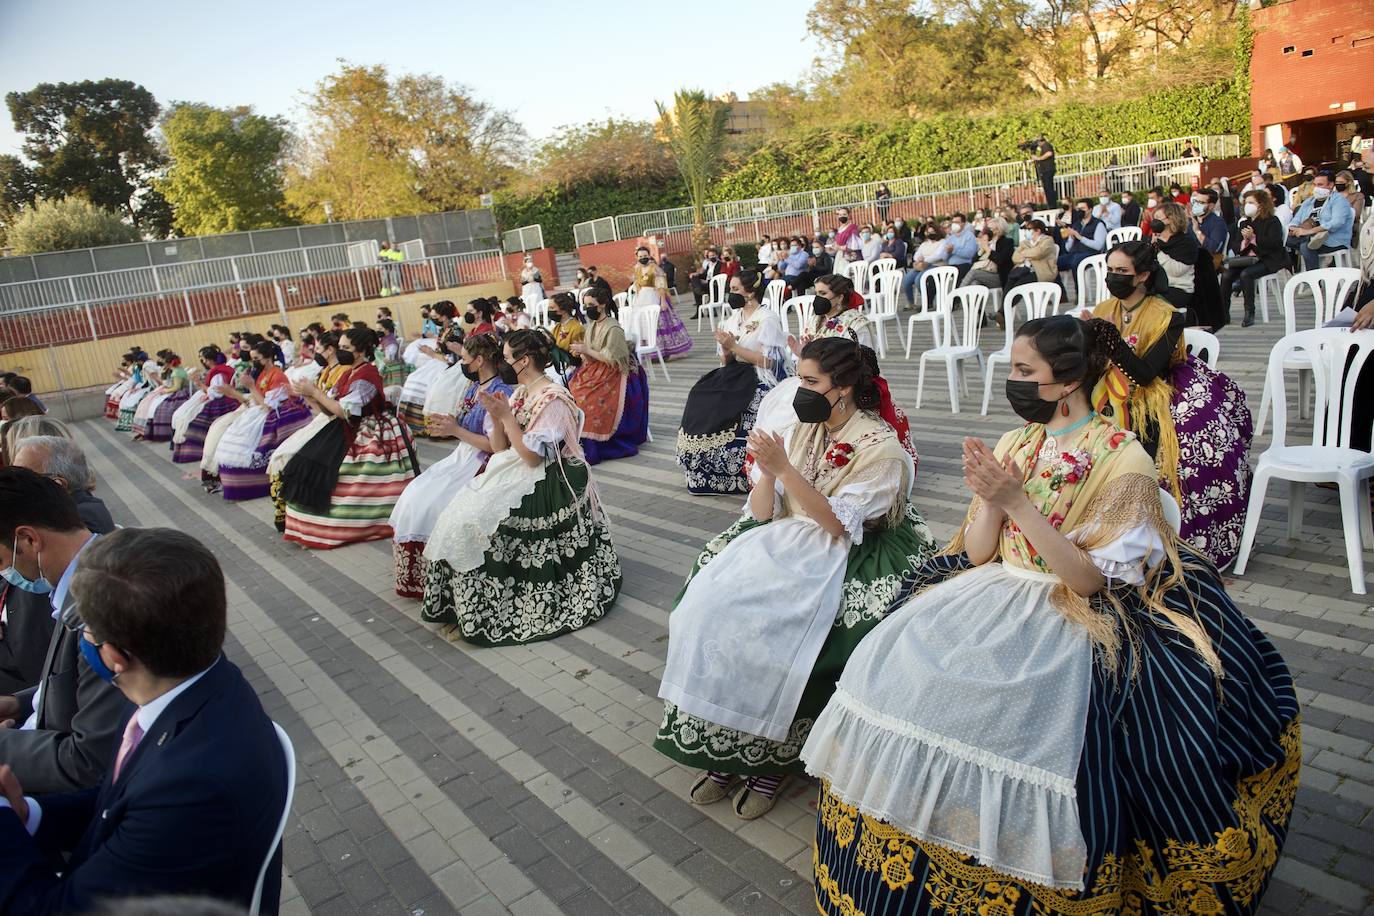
x,y
63,461
66,725
193,797
595,279
701,279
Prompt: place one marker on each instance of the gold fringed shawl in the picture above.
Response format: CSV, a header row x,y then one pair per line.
x,y
1100,491
1134,406
608,338
864,447
648,276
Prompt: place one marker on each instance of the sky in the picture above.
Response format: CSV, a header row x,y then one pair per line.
x,y
550,63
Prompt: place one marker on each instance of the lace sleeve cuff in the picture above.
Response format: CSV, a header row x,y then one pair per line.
x,y
851,513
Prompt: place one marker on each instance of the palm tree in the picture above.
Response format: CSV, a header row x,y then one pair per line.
x,y
694,131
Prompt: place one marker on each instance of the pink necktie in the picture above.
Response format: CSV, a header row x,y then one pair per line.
x,y
132,735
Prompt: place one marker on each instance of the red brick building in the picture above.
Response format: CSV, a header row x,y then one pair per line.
x,y
1312,76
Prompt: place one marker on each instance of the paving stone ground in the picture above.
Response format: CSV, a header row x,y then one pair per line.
x,y
440,778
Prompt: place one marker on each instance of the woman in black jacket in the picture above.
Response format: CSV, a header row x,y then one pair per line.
x,y
1261,252
993,263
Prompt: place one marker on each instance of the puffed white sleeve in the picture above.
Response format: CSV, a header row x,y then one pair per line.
x,y
867,496
358,397
1124,560
555,425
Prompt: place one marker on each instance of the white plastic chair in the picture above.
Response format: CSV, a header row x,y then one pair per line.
x,y
944,279
1123,234
881,308
876,267
952,349
1172,513
289,752
1329,458
1266,283
715,303
1329,287
1048,217
539,315
1097,266
801,307
1199,341
621,300
1338,258
857,272
645,329
773,295
1040,299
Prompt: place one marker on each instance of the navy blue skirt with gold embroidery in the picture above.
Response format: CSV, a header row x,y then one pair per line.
x,y
1184,789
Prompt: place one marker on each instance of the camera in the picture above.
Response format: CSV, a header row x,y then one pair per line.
x,y
1029,146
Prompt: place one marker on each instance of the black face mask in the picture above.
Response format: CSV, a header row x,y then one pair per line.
x,y
508,373
644,260
736,300
821,306
1120,285
468,373
470,317
1156,225
844,219
320,360
592,312
345,357
1024,398
811,406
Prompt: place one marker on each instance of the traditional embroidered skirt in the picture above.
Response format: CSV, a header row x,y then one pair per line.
x,y
394,374
113,395
160,427
128,404
192,447
375,469
714,463
673,338
1214,430
616,408
411,408
873,575
244,474
1183,796
550,569
143,414
419,507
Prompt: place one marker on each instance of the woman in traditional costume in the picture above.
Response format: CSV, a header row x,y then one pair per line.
x,y
723,405
191,421
143,414
144,377
774,606
176,389
610,386
388,358
441,401
649,289
417,511
271,412
430,357
124,380
1191,419
329,372
566,317
341,486
1066,716
531,284
522,553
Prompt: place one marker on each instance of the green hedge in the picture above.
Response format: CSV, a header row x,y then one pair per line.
x,y
558,210
871,152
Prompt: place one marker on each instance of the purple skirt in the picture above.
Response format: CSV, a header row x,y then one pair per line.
x,y
160,429
633,429
1214,429
251,482
673,338
199,428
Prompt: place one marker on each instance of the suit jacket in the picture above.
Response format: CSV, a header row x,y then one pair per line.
x,y
93,513
24,643
79,718
195,808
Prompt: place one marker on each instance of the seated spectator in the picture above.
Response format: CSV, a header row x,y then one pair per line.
x,y
994,256
1084,236
68,721
793,267
1130,210
765,253
21,386
700,279
1178,195
60,459
1034,258
822,262
871,243
1177,249
1208,226
194,795
1261,252
668,268
961,244
1347,185
932,253
894,248
729,264
13,408
1108,210
1325,220
1362,177
1152,203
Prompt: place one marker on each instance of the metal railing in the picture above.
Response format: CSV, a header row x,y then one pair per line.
x,y
95,317
969,183
526,238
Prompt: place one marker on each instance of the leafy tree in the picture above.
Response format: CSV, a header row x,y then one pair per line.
x,y
377,147
226,171
92,139
58,225
694,131
614,152
16,191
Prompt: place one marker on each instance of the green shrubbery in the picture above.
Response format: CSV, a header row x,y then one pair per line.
x,y
71,222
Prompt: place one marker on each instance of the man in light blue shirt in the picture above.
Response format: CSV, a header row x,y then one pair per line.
x,y
794,267
1108,210
961,245
1333,214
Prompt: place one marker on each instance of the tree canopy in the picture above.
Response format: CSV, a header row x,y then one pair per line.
x,y
71,222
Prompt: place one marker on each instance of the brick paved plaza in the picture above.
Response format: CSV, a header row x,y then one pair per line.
x,y
439,778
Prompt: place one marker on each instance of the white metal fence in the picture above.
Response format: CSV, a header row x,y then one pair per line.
x,y
1127,166
141,310
526,238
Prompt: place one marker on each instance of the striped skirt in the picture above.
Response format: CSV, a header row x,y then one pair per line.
x,y
248,479
160,426
375,470
192,447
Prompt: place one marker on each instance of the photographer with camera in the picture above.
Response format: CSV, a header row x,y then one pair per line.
x,y
1041,152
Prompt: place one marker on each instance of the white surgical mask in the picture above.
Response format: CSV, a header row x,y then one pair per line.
x,y
1199,209
1153,203
1251,209
1321,193
1104,200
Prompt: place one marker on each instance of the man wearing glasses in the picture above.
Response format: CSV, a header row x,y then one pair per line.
x,y
59,733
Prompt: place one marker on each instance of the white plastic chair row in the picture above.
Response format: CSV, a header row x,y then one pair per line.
x,y
1039,299
857,272
1336,356
773,294
954,349
1096,267
1329,287
942,280
642,324
1123,234
800,306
